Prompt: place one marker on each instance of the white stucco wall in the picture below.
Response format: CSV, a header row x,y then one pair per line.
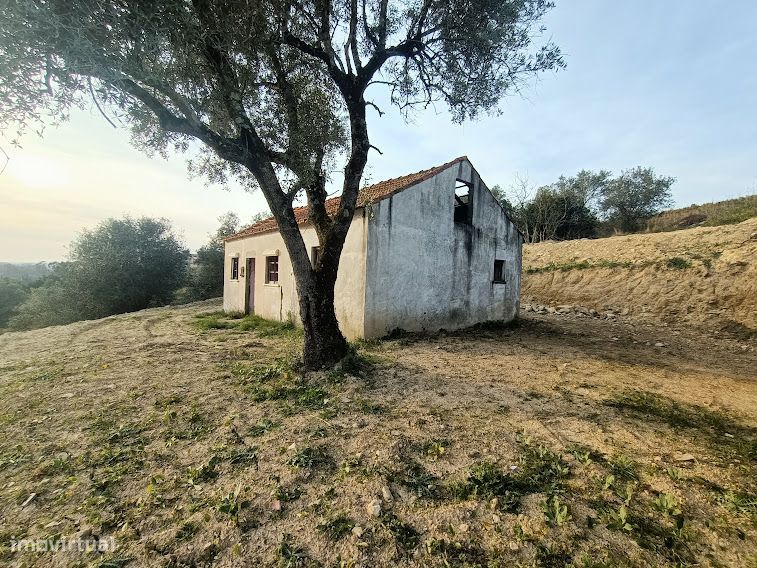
x,y
426,272
279,301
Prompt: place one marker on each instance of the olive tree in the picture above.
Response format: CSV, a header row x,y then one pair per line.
x,y
273,90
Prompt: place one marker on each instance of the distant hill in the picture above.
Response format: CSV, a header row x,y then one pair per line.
x,y
727,212
25,271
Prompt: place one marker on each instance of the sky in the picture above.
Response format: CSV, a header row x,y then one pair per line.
x,y
669,84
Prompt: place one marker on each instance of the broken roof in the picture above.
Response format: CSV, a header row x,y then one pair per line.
x,y
369,194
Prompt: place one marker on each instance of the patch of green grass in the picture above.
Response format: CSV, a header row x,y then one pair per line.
x,y
241,322
310,458
370,407
678,263
624,468
203,473
405,535
458,554
337,527
291,555
263,427
739,503
416,478
287,494
539,471
578,265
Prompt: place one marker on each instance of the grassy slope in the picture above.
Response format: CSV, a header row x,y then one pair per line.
x,y
728,212
188,437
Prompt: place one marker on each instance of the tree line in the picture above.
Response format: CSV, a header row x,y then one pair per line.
x,y
588,204
123,265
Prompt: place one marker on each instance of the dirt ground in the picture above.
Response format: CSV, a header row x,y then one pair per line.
x,y
705,276
558,441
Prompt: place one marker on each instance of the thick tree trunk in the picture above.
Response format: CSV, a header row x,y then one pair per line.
x,y
324,343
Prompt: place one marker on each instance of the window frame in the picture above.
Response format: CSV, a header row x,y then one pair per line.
x,y
269,260
499,263
235,268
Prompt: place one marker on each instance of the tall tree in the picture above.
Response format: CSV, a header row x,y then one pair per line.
x,y
121,266
274,89
206,276
635,196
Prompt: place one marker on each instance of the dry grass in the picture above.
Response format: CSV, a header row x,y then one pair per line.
x,y
544,444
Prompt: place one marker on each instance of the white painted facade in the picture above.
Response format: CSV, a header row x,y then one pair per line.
x,y
407,264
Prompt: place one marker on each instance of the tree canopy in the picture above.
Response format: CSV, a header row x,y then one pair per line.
x,y
274,90
121,266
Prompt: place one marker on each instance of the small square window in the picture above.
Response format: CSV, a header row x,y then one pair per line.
x,y
499,271
235,268
271,269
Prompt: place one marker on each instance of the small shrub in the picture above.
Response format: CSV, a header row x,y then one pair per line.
x,y
337,528
678,263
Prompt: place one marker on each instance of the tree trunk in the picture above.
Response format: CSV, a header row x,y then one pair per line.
x,y
324,343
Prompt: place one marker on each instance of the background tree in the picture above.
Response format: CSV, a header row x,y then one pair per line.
x,y
635,196
274,89
121,266
12,294
205,279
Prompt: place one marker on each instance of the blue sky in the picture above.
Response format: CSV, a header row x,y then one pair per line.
x,y
670,84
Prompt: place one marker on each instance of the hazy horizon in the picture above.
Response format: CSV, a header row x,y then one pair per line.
x,y
668,85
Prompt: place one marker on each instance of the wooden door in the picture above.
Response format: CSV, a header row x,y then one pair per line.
x,y
249,302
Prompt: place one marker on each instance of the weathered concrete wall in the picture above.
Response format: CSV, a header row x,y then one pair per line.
x,y
426,272
279,301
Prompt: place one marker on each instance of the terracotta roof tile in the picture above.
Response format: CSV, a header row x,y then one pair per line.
x,y
370,194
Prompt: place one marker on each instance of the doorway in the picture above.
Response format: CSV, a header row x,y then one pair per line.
x,y
249,297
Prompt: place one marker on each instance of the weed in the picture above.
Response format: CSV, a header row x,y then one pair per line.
x,y
667,504
206,472
292,556
287,494
457,553
678,263
417,479
231,504
263,427
369,407
404,534
739,503
244,456
552,556
186,531
624,468
618,520
555,511
309,458
435,449
337,527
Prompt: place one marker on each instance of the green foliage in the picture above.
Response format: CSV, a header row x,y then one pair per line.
x,y
635,196
405,535
12,294
556,511
726,212
309,458
337,527
206,275
678,263
121,266
667,504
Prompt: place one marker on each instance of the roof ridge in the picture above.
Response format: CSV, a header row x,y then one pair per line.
x,y
367,194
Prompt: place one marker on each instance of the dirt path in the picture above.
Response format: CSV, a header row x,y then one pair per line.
x,y
192,443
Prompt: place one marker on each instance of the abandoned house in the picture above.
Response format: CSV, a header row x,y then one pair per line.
x,y
426,251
